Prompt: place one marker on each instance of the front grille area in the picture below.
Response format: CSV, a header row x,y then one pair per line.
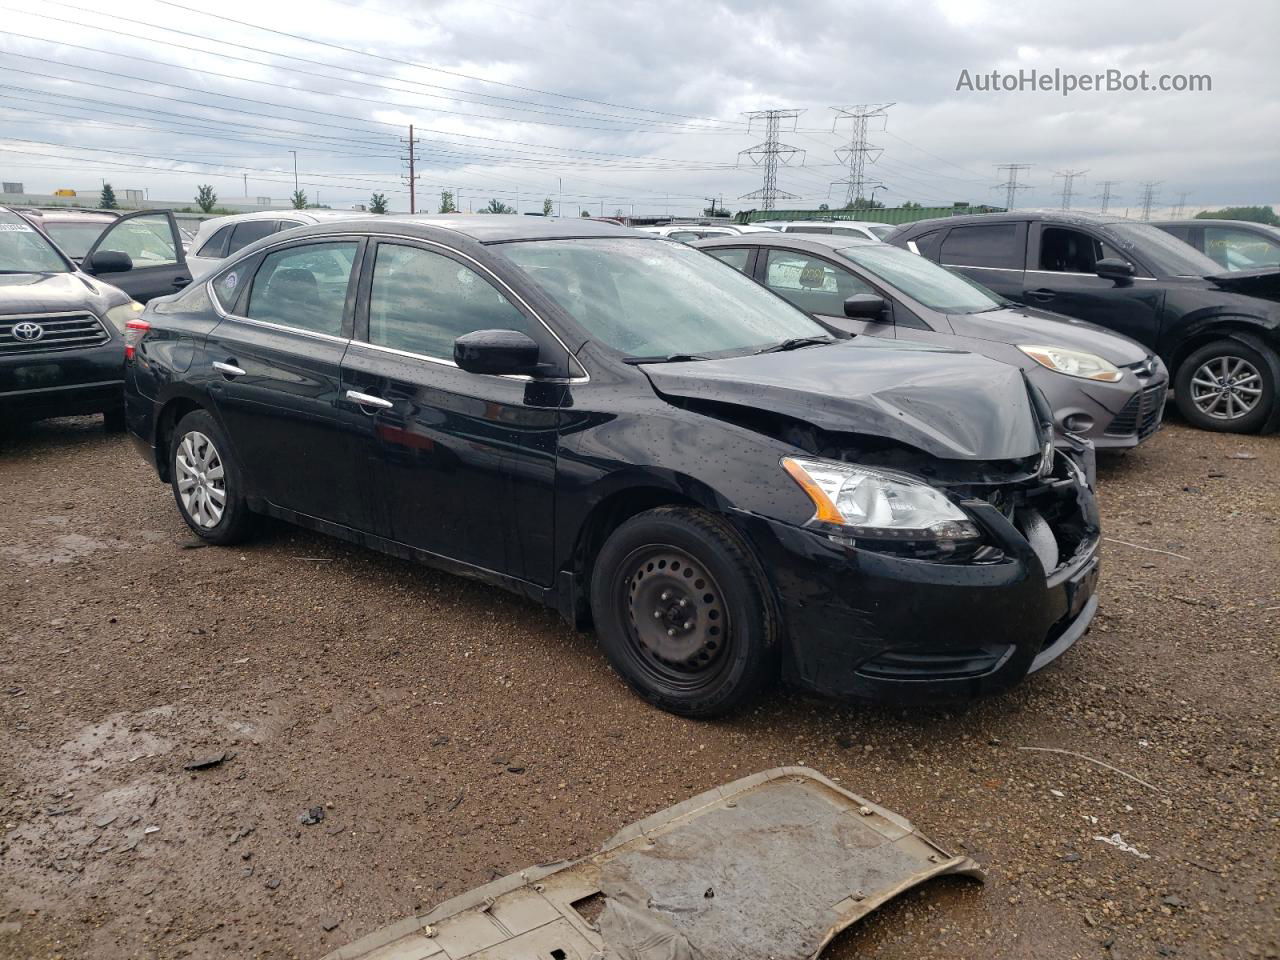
x,y
1141,415
63,331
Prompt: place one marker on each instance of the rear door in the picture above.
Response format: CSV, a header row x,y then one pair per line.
x,y
274,369
992,254
151,240
1062,277
464,463
818,287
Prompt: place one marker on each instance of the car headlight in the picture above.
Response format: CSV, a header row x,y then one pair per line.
x,y
120,315
874,503
1074,363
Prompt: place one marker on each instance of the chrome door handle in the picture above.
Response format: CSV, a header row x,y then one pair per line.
x,y
230,369
368,400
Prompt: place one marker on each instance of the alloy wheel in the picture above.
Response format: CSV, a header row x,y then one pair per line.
x,y
201,476
678,619
1226,388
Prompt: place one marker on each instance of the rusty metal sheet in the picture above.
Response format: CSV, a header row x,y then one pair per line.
x,y
772,865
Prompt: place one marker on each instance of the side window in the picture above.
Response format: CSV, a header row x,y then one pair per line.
x,y
1063,250
735,257
247,231
304,287
148,240
984,245
229,283
927,245
287,225
216,245
684,236
813,285
421,301
1239,249
808,230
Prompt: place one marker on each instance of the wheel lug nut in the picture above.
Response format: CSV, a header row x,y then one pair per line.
x,y
657,614
671,632
684,601
666,594
688,624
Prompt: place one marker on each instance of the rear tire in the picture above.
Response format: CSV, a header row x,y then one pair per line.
x,y
207,482
1228,385
684,612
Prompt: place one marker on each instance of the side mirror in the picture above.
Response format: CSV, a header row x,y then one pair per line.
x,y
496,352
1112,268
866,306
110,261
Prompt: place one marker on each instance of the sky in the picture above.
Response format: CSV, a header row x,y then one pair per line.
x,y
636,106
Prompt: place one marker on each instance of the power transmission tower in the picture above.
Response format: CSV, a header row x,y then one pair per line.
x,y
1011,186
1149,192
855,154
1106,196
767,154
1068,180
1176,212
413,176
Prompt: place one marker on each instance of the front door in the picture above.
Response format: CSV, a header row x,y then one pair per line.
x,y
152,242
464,463
818,287
1063,278
274,370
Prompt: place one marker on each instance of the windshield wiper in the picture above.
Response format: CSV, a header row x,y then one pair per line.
x,y
667,358
796,343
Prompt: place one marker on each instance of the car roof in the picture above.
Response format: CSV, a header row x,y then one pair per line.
x,y
501,228
814,242
69,216
307,216
1077,218
1203,221
828,223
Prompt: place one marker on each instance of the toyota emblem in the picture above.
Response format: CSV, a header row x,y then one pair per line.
x,y
27,331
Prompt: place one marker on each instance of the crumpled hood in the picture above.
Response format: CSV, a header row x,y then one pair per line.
x,y
950,404
1040,327
54,293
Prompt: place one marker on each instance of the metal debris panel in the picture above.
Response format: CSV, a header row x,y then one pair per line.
x,y
772,865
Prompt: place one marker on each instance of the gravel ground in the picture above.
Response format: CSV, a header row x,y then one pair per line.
x,y
450,733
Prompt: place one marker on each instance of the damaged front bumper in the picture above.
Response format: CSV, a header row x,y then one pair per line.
x,y
867,624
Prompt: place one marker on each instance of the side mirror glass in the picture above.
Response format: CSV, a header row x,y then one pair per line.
x,y
496,352
866,306
1112,268
110,261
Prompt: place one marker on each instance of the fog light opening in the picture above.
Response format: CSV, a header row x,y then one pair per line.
x,y
1078,423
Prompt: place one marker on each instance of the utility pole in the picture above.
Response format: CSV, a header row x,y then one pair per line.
x,y
413,173
1068,180
858,149
767,154
1149,192
1176,212
1106,196
295,170
560,206
246,185
1011,186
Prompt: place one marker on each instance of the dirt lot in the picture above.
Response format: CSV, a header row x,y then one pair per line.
x,y
452,733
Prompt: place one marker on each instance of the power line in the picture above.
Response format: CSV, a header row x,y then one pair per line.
x,y
767,154
858,149
1149,193
1068,181
1011,186
1107,196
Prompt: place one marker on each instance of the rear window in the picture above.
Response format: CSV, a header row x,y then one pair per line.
x,y
216,246
984,245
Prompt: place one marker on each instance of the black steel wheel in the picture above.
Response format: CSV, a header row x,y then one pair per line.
x,y
683,611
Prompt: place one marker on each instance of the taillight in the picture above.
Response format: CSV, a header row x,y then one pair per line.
x,y
134,331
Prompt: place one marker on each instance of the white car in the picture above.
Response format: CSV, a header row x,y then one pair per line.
x,y
688,232
220,237
866,229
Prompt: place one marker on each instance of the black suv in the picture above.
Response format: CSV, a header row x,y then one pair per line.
x,y
636,434
61,332
1218,332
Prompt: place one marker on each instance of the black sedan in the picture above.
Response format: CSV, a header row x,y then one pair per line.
x,y
1218,332
622,428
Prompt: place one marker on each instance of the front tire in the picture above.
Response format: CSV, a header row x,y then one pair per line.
x,y
1228,385
684,612
206,481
